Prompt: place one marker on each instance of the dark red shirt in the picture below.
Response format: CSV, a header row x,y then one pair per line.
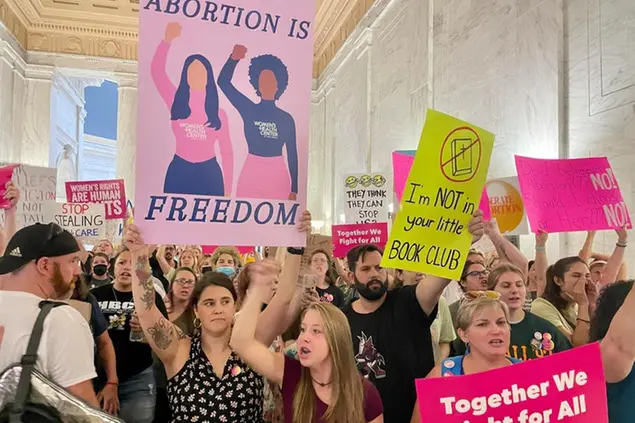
x,y
373,407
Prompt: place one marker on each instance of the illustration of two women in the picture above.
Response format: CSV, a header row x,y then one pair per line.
x,y
198,124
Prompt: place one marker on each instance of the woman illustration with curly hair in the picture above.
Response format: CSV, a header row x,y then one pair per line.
x,y
197,123
267,128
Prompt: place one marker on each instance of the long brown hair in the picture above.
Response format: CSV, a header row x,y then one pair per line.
x,y
347,390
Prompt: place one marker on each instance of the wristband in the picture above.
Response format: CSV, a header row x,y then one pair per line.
x,y
112,383
540,248
295,251
621,244
583,320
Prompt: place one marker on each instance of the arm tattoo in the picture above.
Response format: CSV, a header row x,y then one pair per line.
x,y
147,298
162,333
144,273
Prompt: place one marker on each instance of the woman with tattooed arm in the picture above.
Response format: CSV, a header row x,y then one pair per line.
x,y
205,377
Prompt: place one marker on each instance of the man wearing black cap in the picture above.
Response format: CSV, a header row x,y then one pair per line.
x,y
40,262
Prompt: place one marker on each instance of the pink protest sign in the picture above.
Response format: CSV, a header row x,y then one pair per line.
x,y
567,386
110,193
223,121
571,195
401,163
347,237
484,205
6,173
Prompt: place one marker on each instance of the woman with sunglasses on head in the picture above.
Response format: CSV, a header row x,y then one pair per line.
x,y
483,325
324,385
206,378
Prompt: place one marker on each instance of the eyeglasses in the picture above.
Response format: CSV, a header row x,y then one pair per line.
x,y
53,231
473,295
184,282
476,273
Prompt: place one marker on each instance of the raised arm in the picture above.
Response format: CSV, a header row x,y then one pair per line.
x,y
292,159
164,338
237,99
243,341
614,263
504,248
586,252
541,262
429,292
274,321
618,346
157,68
226,152
12,193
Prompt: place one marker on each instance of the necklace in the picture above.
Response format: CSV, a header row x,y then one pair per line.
x,y
322,384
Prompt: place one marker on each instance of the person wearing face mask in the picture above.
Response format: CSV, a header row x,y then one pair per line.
x,y
226,261
206,264
391,329
99,275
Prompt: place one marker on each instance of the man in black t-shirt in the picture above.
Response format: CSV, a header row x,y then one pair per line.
x,y
391,329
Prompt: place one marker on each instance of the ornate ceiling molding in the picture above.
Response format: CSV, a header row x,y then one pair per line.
x,y
108,28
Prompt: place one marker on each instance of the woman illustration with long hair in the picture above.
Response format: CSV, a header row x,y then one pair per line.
x,y
267,128
197,124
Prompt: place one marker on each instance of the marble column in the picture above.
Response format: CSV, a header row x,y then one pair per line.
x,y
38,107
127,132
12,82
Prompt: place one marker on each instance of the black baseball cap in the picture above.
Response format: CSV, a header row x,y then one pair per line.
x,y
34,242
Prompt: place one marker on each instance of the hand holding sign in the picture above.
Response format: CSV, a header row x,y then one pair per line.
x,y
11,195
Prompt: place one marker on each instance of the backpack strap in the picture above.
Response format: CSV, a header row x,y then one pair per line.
x,y
28,362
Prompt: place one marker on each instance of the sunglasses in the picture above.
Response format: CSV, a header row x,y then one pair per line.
x,y
473,295
54,230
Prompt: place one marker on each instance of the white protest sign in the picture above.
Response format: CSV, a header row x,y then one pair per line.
x,y
367,197
84,221
37,187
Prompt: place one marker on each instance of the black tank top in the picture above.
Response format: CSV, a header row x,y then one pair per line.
x,y
197,394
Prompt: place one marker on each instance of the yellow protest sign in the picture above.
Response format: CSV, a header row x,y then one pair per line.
x,y
442,192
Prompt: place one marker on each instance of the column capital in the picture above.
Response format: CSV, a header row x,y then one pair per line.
x,y
126,80
40,72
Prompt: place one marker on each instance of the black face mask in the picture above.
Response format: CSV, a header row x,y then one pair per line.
x,y
371,294
206,269
100,269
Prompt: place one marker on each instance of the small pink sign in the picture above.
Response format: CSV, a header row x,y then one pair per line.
x,y
401,164
484,206
347,237
571,195
568,386
110,193
6,173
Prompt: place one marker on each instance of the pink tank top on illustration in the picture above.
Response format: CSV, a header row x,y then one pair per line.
x,y
195,141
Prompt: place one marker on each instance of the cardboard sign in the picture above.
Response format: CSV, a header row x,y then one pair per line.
x,y
228,156
110,193
506,205
366,198
38,190
444,189
571,195
347,237
85,221
568,387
